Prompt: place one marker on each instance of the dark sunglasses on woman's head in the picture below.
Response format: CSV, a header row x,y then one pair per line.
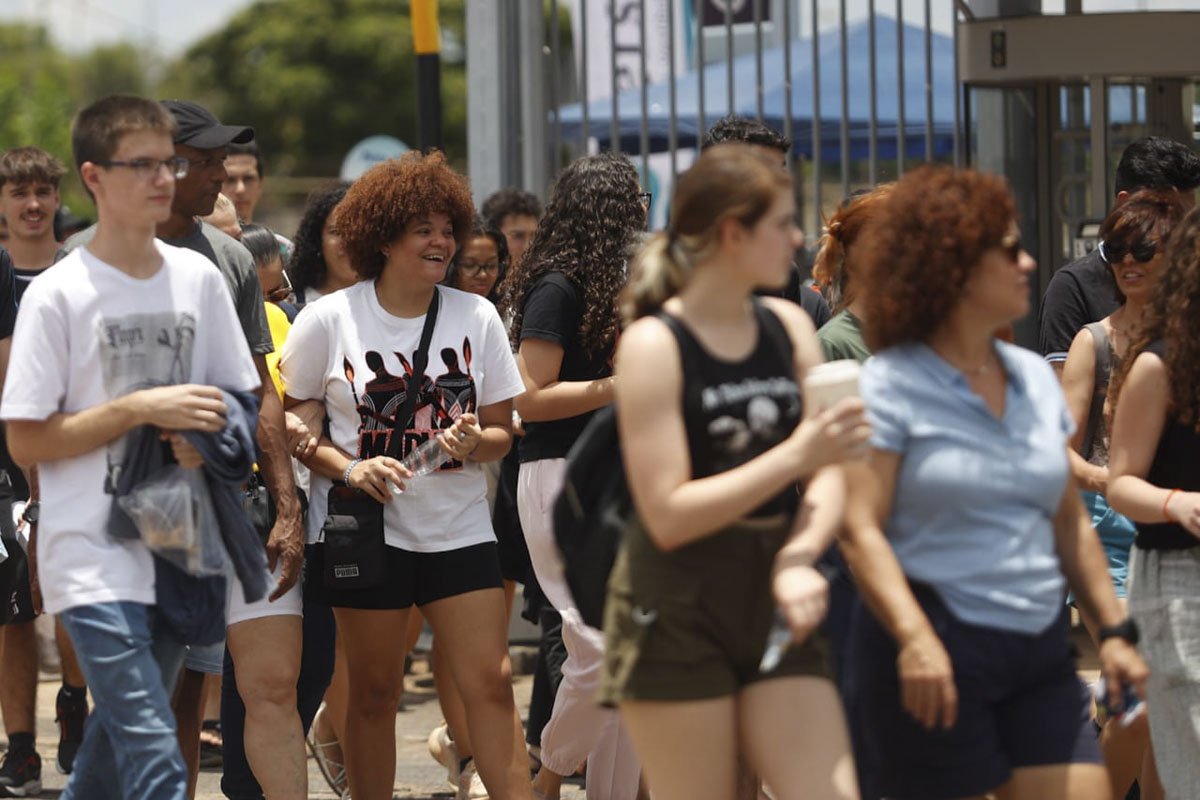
x,y
1142,252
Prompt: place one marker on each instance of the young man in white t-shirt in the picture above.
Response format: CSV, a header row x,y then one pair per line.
x,y
124,332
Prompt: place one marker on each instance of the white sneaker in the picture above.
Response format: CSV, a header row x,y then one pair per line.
x,y
442,748
470,785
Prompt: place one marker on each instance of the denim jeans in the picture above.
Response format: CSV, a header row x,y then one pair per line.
x,y
129,747
316,670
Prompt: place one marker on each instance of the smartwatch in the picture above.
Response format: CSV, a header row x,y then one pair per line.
x,y
1127,630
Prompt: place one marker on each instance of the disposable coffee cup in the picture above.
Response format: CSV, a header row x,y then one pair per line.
x,y
826,384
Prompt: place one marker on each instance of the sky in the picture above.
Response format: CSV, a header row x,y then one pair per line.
x,y
171,25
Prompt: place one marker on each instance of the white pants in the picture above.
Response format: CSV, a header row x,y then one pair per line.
x,y
579,729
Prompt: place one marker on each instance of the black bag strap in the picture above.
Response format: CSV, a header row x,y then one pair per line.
x,y
420,361
1099,384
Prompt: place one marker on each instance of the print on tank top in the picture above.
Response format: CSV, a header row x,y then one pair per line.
x,y
747,417
440,400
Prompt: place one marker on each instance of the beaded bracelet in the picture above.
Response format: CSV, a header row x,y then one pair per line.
x,y
1167,513
354,462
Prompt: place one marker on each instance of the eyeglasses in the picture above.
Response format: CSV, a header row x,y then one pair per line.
x,y
1012,247
470,268
1142,252
645,198
177,166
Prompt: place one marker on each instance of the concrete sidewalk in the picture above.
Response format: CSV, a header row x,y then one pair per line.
x,y
418,777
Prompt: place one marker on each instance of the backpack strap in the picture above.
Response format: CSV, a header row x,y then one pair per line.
x,y
1099,384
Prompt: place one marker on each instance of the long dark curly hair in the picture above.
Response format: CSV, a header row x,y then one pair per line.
x,y
307,265
923,246
588,233
1171,317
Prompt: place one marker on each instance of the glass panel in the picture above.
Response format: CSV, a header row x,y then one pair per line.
x,y
1070,174
1126,121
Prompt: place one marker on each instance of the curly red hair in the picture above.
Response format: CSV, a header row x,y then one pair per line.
x,y
923,246
382,202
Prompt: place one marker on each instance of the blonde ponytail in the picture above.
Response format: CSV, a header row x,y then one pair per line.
x,y
659,271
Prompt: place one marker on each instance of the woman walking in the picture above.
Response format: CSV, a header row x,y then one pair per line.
x,y
965,526
715,439
357,349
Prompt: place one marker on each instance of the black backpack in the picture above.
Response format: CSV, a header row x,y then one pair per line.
x,y
591,514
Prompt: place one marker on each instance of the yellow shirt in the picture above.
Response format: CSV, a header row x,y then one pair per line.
x,y
277,321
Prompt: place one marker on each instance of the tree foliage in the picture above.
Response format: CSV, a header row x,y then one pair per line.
x,y
315,76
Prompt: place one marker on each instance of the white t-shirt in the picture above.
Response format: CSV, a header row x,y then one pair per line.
x,y
347,350
87,333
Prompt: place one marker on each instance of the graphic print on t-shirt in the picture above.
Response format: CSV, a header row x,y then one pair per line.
x,y
745,417
138,351
440,400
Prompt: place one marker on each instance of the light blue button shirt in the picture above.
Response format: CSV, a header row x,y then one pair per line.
x,y
975,494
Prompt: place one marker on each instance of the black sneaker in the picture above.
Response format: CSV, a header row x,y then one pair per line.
x,y
70,716
21,775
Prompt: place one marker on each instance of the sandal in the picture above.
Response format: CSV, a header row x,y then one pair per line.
x,y
332,769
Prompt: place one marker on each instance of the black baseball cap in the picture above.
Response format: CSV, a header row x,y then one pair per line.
x,y
198,128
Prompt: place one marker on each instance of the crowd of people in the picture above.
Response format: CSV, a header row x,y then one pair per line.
x,y
372,422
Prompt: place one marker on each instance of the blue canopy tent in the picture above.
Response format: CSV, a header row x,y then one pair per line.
x,y
774,88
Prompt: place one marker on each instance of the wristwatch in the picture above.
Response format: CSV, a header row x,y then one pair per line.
x,y
1127,630
30,514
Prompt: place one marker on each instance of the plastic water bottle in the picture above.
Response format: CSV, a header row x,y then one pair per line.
x,y
426,458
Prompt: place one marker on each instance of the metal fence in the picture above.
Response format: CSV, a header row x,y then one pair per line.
x,y
863,89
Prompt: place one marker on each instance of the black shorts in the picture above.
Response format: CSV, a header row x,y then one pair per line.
x,y
1020,704
412,578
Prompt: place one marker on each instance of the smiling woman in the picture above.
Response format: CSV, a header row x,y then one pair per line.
x,y
362,352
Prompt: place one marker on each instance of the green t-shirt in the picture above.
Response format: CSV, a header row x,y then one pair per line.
x,y
842,337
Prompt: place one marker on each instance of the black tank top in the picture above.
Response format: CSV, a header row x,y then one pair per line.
x,y
1174,467
735,411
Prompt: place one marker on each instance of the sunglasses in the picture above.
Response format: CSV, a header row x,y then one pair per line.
x,y
1012,247
1142,252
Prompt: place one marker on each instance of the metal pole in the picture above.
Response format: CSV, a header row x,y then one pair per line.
x,y
531,37
644,138
673,123
555,95
427,45
702,122
488,130
958,94
729,58
816,113
614,127
873,134
758,59
901,131
583,74
845,155
928,81
787,78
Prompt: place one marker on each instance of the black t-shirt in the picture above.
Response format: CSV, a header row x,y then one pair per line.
x,y
1173,467
1079,293
553,312
10,293
812,302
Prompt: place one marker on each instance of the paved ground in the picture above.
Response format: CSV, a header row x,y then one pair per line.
x,y
418,777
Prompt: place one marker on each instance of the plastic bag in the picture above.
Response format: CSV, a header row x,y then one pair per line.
x,y
173,512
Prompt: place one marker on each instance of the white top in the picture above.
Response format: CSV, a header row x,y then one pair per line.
x,y
347,350
87,333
